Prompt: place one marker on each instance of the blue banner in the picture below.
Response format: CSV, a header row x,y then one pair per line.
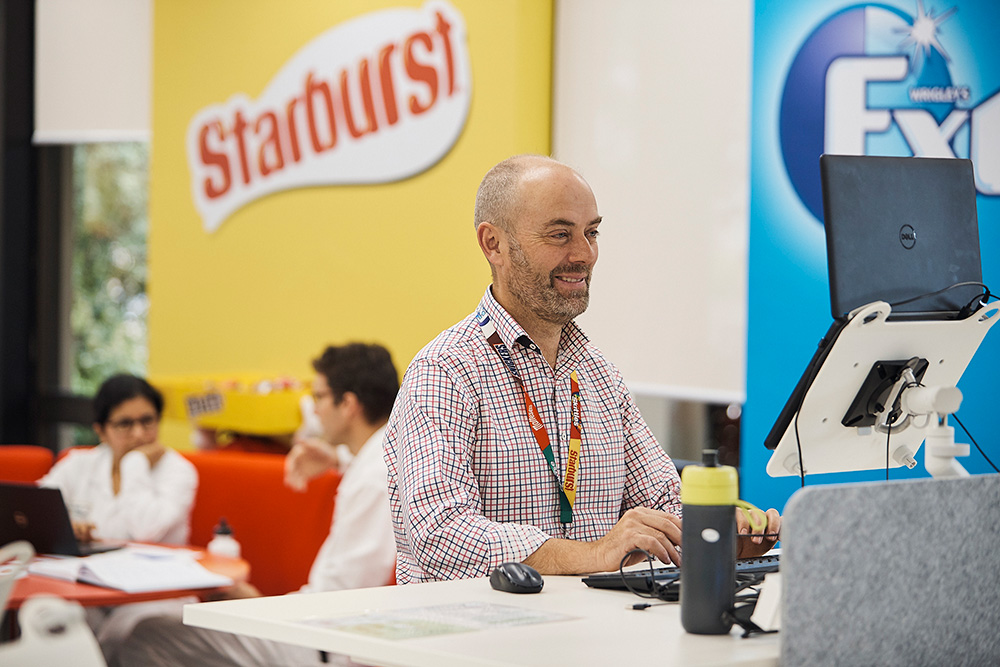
x,y
904,77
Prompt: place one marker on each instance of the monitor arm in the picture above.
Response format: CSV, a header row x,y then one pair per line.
x,y
937,403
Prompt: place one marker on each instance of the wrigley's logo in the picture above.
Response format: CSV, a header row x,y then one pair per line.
x,y
378,98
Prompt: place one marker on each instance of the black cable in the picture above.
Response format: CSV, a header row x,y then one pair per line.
x,y
974,442
986,293
887,436
652,581
798,443
802,400
744,605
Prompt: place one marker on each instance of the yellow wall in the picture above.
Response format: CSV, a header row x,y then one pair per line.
x,y
289,273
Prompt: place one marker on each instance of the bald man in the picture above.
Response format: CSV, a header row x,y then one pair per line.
x,y
513,438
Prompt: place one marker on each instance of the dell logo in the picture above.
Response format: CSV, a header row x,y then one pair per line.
x,y
907,236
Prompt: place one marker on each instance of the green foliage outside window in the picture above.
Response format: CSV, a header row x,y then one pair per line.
x,y
110,223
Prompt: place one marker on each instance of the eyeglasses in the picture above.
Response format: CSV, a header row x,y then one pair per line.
x,y
127,424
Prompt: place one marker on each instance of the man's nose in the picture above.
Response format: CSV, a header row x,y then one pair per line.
x,y
583,250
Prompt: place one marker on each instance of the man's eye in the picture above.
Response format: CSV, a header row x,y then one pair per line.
x,y
594,233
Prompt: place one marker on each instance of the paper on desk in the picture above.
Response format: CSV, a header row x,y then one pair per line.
x,y
133,570
435,620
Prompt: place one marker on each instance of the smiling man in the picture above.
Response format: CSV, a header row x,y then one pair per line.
x,y
513,438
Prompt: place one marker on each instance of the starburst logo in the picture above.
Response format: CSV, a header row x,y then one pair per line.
x,y
378,98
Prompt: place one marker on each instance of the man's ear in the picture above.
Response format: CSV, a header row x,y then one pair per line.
x,y
351,401
488,236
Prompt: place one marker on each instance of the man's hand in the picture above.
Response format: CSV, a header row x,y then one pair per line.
x,y
237,591
759,543
657,532
309,457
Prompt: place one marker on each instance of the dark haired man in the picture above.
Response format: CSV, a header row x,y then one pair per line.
x,y
354,390
513,438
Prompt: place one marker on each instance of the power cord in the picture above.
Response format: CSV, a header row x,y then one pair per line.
x,y
669,593
967,310
959,422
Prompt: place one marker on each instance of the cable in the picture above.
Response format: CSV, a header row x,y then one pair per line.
x,y
986,293
802,400
887,436
652,577
959,421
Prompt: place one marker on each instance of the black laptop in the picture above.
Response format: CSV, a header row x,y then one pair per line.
x,y
39,515
898,228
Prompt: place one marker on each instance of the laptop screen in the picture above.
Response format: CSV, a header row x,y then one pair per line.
x,y
899,228
39,516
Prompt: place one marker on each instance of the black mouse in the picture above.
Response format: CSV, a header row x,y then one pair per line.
x,y
516,578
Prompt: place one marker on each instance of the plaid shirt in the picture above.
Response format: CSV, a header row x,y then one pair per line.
x,y
469,487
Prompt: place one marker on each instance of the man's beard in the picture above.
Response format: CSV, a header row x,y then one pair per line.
x,y
538,291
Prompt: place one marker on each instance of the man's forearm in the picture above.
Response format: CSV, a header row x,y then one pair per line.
x,y
559,556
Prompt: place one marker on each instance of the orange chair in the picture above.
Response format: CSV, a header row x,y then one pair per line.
x,y
280,530
24,463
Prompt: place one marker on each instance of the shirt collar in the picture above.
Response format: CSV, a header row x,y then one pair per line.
x,y
571,344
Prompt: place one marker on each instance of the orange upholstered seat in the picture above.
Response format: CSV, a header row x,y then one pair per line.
x,y
24,463
280,530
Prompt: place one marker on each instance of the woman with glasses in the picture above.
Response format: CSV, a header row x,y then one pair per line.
x,y
129,487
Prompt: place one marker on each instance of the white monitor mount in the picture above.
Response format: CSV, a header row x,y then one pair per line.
x,y
908,399
907,372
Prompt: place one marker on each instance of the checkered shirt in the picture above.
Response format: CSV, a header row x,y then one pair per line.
x,y
469,487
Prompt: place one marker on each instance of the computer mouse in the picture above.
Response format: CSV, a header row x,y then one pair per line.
x,y
516,578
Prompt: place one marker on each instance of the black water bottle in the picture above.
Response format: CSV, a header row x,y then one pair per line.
x,y
709,493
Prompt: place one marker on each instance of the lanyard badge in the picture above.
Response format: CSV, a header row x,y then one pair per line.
x,y
567,495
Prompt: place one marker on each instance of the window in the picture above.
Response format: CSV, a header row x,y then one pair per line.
x,y
108,278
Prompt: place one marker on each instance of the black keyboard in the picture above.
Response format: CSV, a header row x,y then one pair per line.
x,y
642,581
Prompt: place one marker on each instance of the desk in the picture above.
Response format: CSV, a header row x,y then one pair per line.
x,y
603,630
236,569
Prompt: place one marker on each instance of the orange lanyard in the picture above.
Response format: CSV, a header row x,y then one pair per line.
x,y
567,495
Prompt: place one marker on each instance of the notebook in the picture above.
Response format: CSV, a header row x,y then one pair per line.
x,y
39,515
898,228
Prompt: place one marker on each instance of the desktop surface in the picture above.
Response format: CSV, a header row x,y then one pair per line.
x,y
580,625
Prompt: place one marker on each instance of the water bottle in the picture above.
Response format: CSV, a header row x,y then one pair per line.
x,y
709,493
223,543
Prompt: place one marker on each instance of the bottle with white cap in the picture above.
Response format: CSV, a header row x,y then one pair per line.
x,y
223,543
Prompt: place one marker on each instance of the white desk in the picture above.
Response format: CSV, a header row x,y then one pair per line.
x,y
603,630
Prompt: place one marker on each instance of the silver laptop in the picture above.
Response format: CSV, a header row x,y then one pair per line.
x,y
898,228
39,515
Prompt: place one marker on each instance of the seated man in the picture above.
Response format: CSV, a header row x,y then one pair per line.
x,y
354,390
513,438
